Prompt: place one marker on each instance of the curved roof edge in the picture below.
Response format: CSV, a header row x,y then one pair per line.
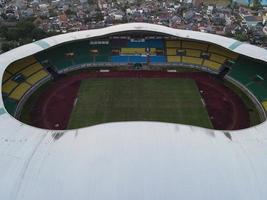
x,y
40,45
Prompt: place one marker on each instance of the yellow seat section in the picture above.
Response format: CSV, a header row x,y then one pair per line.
x,y
217,58
153,51
194,45
223,51
31,69
9,86
6,76
174,58
20,91
21,64
37,77
193,53
212,65
171,52
133,51
173,43
264,104
192,60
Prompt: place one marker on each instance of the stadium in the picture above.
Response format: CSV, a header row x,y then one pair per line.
x,y
134,111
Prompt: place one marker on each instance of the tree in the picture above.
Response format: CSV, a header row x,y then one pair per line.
x,y
241,36
38,34
256,4
6,46
25,28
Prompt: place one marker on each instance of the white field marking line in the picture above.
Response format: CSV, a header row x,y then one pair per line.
x,y
202,100
75,102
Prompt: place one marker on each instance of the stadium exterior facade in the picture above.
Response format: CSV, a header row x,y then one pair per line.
x,y
132,160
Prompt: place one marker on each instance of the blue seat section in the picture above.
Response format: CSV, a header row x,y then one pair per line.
x,y
119,59
129,59
158,59
149,43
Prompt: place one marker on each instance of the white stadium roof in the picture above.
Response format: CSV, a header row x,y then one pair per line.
x,y
132,160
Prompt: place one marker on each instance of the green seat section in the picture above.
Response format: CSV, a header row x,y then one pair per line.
x,y
252,74
10,105
76,53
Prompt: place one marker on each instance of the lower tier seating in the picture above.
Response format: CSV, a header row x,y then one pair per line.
x,y
129,59
264,104
157,59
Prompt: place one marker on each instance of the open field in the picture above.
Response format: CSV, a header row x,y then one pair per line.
x,y
138,99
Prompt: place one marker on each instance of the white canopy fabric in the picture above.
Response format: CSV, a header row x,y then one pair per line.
x,y
131,160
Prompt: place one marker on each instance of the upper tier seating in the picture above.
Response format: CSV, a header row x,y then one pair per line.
x,y
173,44
194,45
76,53
20,64
223,52
193,51
148,43
217,58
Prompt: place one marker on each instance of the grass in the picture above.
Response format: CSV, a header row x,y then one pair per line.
x,y
120,99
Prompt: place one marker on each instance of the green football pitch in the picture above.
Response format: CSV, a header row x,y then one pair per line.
x,y
138,99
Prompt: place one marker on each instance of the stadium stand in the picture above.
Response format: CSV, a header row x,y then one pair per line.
x,y
146,43
212,65
17,80
20,64
252,74
8,86
264,104
193,53
217,58
133,51
10,105
37,77
173,44
76,53
174,59
22,75
118,43
129,59
192,60
157,59
194,45
171,52
20,91
223,52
